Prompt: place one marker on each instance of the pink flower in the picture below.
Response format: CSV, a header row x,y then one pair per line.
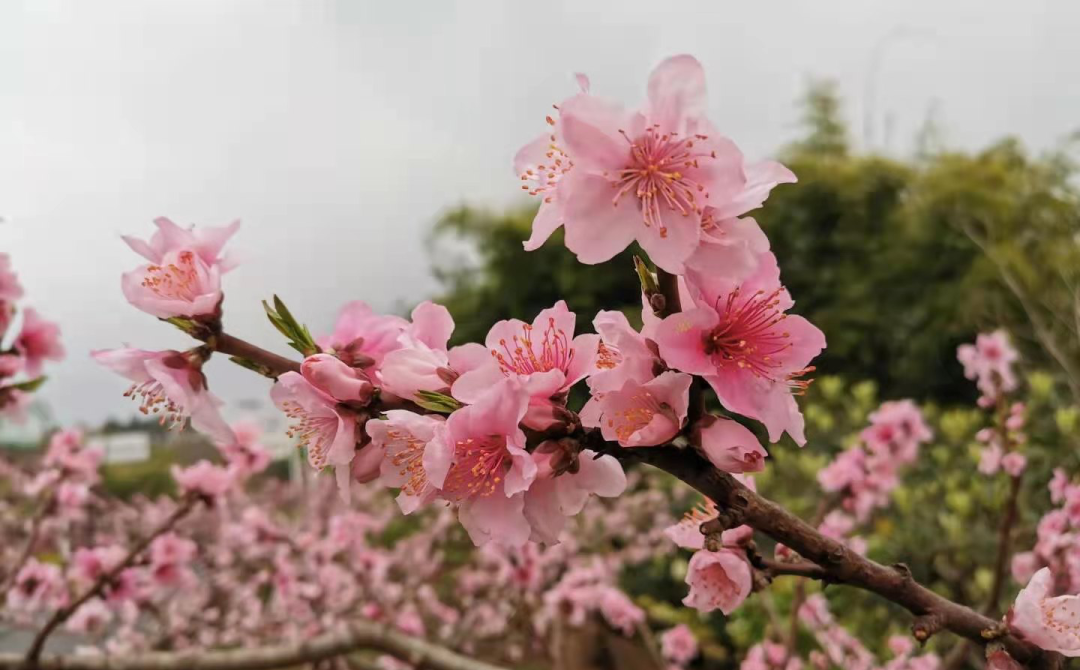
x,y
901,645
717,580
678,644
10,289
1058,485
619,611
491,469
336,379
172,383
687,532
68,454
10,364
896,430
989,362
38,586
417,455
739,339
644,415
245,454
555,496
541,164
181,284
542,355
423,363
363,338
169,556
1014,463
730,446
38,341
990,460
1049,622
203,478
90,619
206,242
622,354
72,497
320,424
732,246
1023,566
644,176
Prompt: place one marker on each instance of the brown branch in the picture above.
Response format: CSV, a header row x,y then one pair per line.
x,y
773,568
1004,549
98,587
234,346
839,564
360,635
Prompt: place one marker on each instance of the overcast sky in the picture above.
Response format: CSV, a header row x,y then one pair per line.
x,y
339,131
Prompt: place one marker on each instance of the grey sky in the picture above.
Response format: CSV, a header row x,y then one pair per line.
x,y
339,131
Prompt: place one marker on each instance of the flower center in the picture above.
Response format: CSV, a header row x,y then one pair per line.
x,y
479,466
644,406
746,336
607,357
155,401
524,359
407,453
541,179
656,175
311,431
174,281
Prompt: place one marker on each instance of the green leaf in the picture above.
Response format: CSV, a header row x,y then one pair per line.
x,y
29,386
437,402
645,276
282,319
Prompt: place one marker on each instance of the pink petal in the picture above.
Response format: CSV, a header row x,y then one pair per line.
x,y
602,476
681,338
548,219
496,518
669,248
432,325
677,93
597,228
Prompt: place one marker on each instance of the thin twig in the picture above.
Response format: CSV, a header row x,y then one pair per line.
x,y
61,615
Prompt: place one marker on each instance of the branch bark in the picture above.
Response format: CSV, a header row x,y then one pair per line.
x,y
360,635
234,346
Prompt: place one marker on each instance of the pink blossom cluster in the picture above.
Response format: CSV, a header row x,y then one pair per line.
x,y
863,477
510,456
1057,543
989,363
718,577
27,341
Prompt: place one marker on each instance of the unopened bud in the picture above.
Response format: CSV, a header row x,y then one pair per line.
x,y
333,377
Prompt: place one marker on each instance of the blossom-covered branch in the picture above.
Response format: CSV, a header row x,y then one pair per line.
x,y
488,429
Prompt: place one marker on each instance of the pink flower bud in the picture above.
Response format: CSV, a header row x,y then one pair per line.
x,y
336,379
